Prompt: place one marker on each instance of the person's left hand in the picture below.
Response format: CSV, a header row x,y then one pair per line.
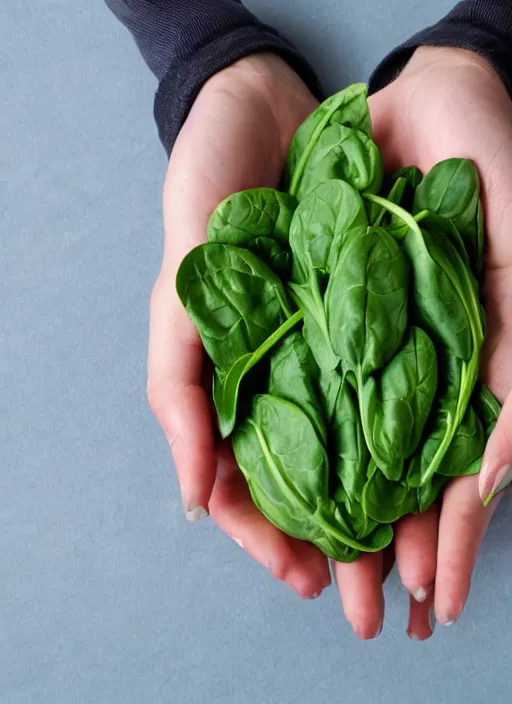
x,y
450,103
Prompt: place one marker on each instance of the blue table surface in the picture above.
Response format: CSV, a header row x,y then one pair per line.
x,y
106,593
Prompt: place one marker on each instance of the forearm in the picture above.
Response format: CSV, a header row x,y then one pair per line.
x,y
484,27
185,42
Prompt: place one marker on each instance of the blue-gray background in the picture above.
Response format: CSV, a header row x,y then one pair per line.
x,y
106,594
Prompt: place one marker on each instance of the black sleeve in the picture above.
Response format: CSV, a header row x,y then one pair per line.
x,y
185,42
484,27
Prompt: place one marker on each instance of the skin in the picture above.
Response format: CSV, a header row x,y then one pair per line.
x,y
445,103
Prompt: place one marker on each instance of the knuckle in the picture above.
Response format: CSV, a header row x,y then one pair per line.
x,y
283,567
157,400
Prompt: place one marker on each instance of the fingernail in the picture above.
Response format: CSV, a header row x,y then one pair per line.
x,y
432,618
490,484
420,594
379,630
413,636
198,513
448,620
238,541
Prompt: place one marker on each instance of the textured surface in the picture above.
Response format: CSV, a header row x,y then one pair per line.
x,y
106,594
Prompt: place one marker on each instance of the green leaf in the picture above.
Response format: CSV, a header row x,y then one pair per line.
x,y
348,107
452,189
396,405
226,386
411,174
320,224
430,490
347,448
343,153
316,333
287,472
274,256
446,305
294,377
487,407
386,501
366,302
260,212
395,195
235,301
465,452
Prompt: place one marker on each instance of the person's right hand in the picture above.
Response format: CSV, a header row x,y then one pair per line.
x,y
235,137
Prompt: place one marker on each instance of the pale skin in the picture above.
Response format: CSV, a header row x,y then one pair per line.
x,y
445,103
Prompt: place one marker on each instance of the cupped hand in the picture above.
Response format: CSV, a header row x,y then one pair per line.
x,y
235,137
450,103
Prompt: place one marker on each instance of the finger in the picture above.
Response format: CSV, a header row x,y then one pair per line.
x,y
462,526
300,565
360,587
388,558
421,618
496,472
177,397
416,552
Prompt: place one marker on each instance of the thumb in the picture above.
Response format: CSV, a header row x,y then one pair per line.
x,y
496,472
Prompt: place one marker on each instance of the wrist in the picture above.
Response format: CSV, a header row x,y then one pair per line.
x,y
268,81
449,57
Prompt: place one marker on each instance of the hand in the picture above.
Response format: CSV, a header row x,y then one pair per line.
x,y
450,103
236,137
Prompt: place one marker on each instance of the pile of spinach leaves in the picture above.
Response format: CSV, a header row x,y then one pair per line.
x,y
344,320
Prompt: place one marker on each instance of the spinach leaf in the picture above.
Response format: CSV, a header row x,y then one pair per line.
x,y
429,491
446,304
343,153
260,212
294,377
399,498
366,303
395,407
287,470
235,301
439,226
372,536
487,407
412,175
395,195
320,224
452,189
465,452
272,254
348,107
308,298
347,450
226,386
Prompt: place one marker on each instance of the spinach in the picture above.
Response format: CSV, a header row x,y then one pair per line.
x,y
295,377
452,189
343,153
233,298
446,304
287,471
348,450
400,499
396,405
320,225
487,408
244,216
366,303
308,297
226,386
345,324
348,108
